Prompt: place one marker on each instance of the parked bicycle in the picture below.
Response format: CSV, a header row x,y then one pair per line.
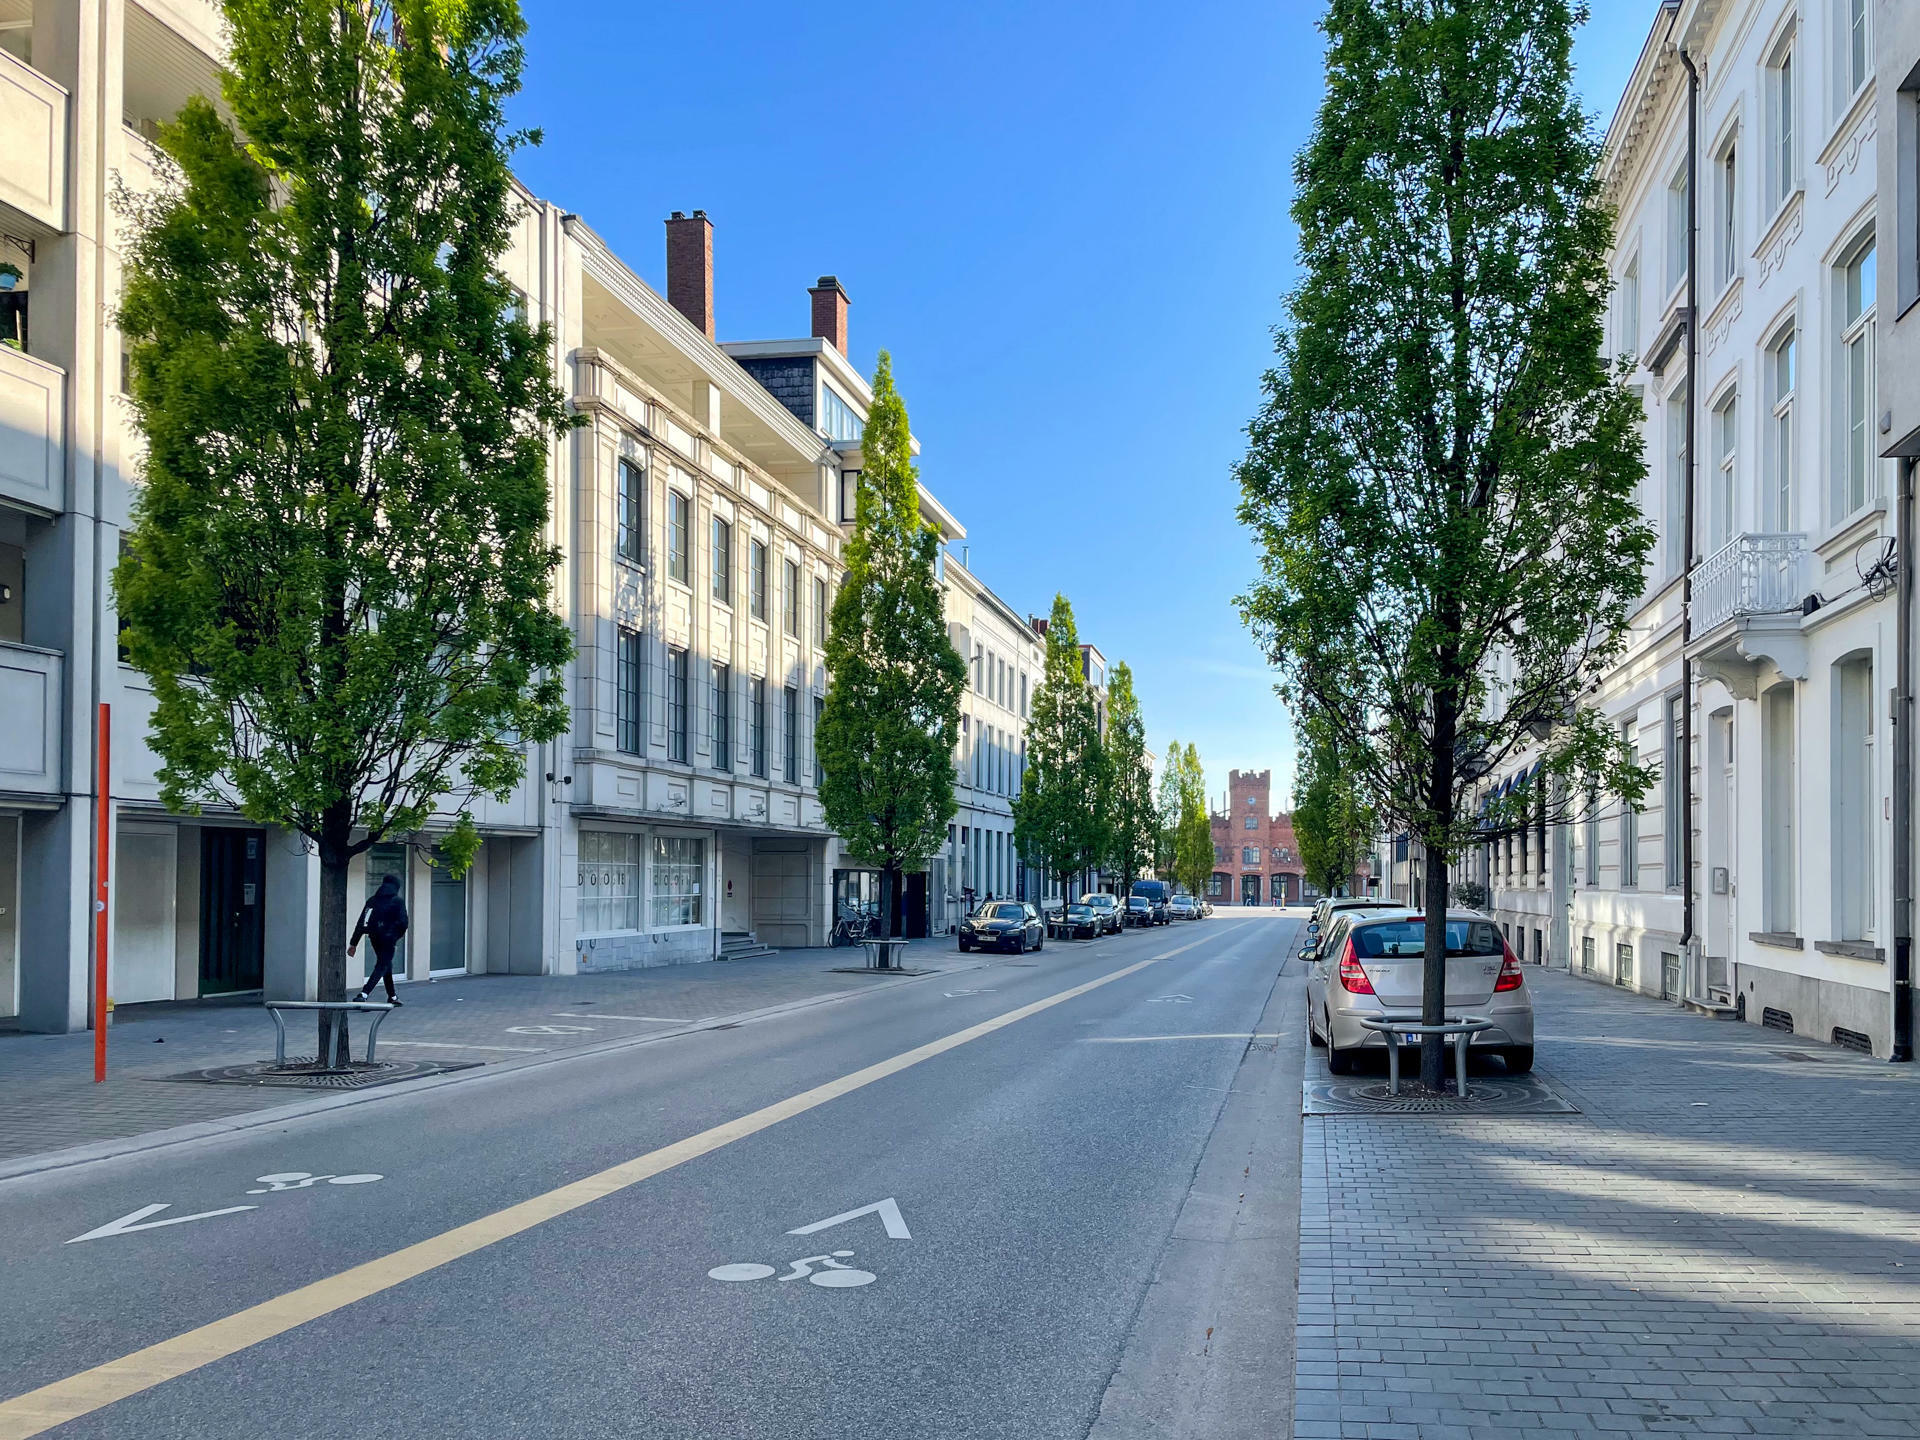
x,y
852,930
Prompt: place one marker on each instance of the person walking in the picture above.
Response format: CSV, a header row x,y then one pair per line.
x,y
383,921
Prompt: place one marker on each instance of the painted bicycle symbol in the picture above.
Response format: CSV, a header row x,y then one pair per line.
x,y
300,1180
831,1275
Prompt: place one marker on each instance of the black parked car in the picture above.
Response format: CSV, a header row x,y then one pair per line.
x,y
1082,922
1003,925
1140,911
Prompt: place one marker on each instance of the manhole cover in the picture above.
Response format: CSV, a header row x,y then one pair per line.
x,y
1369,1095
299,1074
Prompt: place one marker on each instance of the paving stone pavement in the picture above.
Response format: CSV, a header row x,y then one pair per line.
x,y
51,1102
1725,1242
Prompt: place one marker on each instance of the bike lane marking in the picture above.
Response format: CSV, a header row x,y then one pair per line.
x,y
38,1411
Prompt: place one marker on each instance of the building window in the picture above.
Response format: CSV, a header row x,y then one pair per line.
x,y
627,682
631,510
1253,822
849,496
820,613
723,560
1250,855
1726,449
791,717
1726,247
610,872
1852,52
677,705
757,725
1586,954
1629,823
1673,776
838,419
819,770
723,717
1623,966
1781,179
1023,696
679,561
1854,375
1776,806
791,597
1781,375
1590,842
757,579
1630,308
1676,522
679,868
1677,218
1853,799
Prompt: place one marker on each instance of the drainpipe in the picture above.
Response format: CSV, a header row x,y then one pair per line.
x,y
1903,775
1688,948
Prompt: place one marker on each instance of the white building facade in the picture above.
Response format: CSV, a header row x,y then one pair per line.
x,y
1756,875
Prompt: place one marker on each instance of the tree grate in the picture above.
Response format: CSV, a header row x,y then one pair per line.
x,y
305,1074
1520,1095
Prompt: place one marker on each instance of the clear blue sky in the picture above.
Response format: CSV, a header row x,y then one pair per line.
x,y
1067,222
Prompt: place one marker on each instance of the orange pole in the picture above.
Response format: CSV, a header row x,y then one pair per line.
x,y
102,857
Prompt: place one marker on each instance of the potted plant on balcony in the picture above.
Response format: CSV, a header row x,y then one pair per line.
x,y
12,302
10,275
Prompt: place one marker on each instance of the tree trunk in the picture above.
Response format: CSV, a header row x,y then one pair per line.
x,y
1433,978
336,832
889,888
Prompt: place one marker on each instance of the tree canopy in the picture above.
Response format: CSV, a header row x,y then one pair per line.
x,y
337,571
891,720
1056,816
1130,817
1442,478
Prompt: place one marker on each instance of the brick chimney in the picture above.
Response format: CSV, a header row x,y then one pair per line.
x,y
690,267
830,312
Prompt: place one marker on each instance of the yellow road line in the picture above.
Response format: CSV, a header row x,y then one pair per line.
x,y
40,1410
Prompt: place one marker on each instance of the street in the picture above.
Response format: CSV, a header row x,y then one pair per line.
x,y
1039,1173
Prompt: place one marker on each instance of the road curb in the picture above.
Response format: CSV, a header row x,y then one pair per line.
x,y
25,1166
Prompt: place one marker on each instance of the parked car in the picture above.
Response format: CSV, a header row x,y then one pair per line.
x,y
1370,965
1082,922
1158,893
1140,911
1313,940
1182,907
1003,925
1112,917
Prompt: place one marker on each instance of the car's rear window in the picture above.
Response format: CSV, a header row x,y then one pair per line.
x,y
1406,939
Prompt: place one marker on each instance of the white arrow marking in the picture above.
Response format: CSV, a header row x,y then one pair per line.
x,y
888,1211
127,1224
1171,1000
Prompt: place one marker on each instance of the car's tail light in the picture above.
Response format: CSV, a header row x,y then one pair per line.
x,y
1353,979
1510,976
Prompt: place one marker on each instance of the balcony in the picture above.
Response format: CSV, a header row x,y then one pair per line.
x,y
30,740
33,138
1747,599
33,422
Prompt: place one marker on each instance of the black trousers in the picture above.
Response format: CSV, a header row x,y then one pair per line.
x,y
382,967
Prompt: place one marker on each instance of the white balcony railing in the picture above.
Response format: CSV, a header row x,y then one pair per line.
x,y
1750,575
33,140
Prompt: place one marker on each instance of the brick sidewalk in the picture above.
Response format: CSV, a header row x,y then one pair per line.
x,y
1725,1242
52,1103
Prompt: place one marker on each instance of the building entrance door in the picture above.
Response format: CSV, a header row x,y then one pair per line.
x,y
382,861
233,882
9,914
1249,889
447,913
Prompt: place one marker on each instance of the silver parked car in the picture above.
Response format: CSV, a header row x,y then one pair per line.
x,y
1370,965
1112,917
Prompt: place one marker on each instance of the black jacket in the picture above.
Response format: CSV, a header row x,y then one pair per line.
x,y
384,918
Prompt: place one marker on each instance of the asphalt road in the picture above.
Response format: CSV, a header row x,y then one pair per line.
x,y
1098,1231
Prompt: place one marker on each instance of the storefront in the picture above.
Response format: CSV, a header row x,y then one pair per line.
x,y
645,897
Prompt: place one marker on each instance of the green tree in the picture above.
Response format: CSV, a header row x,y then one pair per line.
x,y
337,573
1166,835
1193,842
1331,819
892,715
1131,817
1056,816
1442,477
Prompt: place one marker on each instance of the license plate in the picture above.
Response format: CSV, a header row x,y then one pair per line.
x,y
1410,1039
